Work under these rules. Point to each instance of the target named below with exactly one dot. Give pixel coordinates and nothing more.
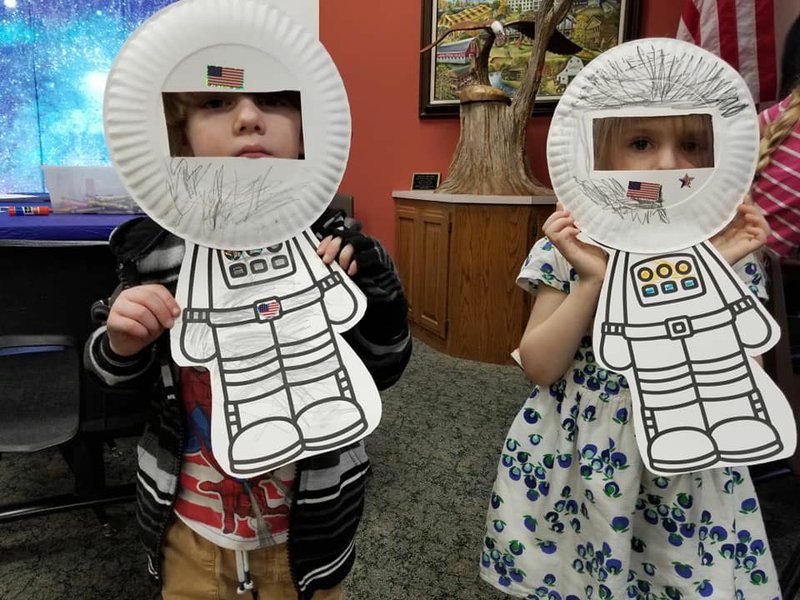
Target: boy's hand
(330, 248)
(139, 316)
(745, 234)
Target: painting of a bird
(558, 43)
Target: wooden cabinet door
(422, 252)
(433, 263)
(407, 257)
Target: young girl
(777, 186)
(287, 534)
(574, 514)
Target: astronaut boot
(330, 423)
(682, 449)
(746, 439)
(264, 445)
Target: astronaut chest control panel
(242, 268)
(666, 279)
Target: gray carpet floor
(434, 457)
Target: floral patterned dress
(574, 515)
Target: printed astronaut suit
(675, 323)
(283, 381)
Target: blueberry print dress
(574, 515)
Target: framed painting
(594, 25)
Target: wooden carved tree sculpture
(491, 156)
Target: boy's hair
(777, 131)
(176, 112)
(177, 106)
(606, 131)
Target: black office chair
(41, 388)
(46, 398)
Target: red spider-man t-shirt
(214, 504)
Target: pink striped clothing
(777, 190)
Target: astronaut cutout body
(672, 316)
(705, 325)
(264, 317)
(271, 343)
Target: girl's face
(244, 125)
(654, 143)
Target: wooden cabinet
(423, 237)
(458, 262)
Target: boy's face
(244, 125)
(657, 143)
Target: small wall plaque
(425, 181)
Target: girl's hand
(745, 234)
(588, 261)
(139, 316)
(330, 249)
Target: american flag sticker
(269, 309)
(642, 190)
(227, 77)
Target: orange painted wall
(377, 52)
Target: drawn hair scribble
(609, 195)
(654, 76)
(221, 197)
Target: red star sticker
(686, 181)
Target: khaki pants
(196, 569)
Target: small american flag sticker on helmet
(642, 190)
(227, 77)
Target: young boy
(290, 533)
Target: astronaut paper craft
(673, 316)
(286, 381)
(260, 310)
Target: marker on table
(26, 211)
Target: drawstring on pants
(243, 574)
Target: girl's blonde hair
(777, 131)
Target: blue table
(63, 228)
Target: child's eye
(274, 100)
(213, 103)
(691, 146)
(640, 144)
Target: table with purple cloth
(58, 228)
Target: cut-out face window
(653, 143)
(234, 124)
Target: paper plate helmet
(238, 46)
(654, 210)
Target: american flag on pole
(742, 33)
(227, 77)
(642, 190)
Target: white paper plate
(653, 77)
(226, 202)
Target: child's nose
(669, 158)
(248, 116)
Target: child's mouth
(253, 151)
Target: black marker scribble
(610, 195)
(682, 81)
